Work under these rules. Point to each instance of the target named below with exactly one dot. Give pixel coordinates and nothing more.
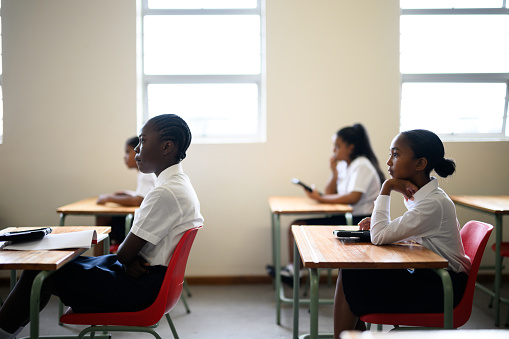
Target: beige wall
(69, 85)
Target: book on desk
(80, 239)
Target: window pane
(197, 4)
(453, 108)
(412, 4)
(202, 44)
(211, 110)
(454, 44)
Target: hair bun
(445, 167)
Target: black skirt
(398, 291)
(99, 284)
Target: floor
(246, 311)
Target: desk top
(44, 260)
(319, 248)
(498, 204)
(90, 206)
(304, 205)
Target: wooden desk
(498, 205)
(45, 261)
(319, 248)
(302, 205)
(90, 207)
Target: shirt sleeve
(159, 212)
(421, 221)
(360, 178)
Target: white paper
(81, 239)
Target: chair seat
(504, 249)
(109, 319)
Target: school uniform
(99, 284)
(360, 176)
(145, 182)
(430, 221)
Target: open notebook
(80, 239)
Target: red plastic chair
(474, 235)
(139, 321)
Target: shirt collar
(168, 172)
(423, 192)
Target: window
(454, 63)
(202, 60)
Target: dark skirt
(99, 284)
(398, 291)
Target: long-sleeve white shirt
(430, 220)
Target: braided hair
(426, 144)
(358, 136)
(174, 128)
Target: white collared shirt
(430, 220)
(167, 211)
(145, 183)
(359, 176)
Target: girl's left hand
(136, 268)
(365, 224)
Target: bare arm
(128, 255)
(121, 199)
(331, 185)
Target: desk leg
(313, 303)
(276, 237)
(296, 285)
(498, 266)
(128, 223)
(35, 301)
(62, 219)
(448, 298)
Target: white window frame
(148, 79)
(464, 77)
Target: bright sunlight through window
(454, 63)
(202, 60)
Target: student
(129, 280)
(355, 180)
(430, 220)
(145, 183)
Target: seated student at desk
(355, 180)
(129, 280)
(430, 220)
(145, 183)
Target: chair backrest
(171, 288)
(474, 235)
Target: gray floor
(247, 311)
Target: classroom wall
(69, 88)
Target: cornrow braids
(174, 128)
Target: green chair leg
(172, 327)
(186, 287)
(184, 301)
